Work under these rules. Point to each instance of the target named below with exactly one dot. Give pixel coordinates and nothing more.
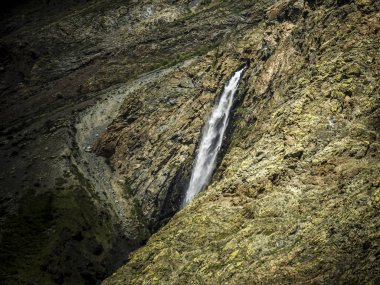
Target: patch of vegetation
(25, 236)
(54, 235)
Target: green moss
(353, 70)
(36, 236)
(25, 235)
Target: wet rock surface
(151, 144)
(102, 106)
(295, 197)
(67, 215)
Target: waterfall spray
(212, 138)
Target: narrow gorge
(189, 142)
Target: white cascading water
(212, 138)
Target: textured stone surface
(66, 68)
(295, 198)
(152, 142)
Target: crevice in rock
(176, 191)
(174, 195)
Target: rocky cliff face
(102, 108)
(66, 68)
(295, 198)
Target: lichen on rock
(294, 199)
(103, 104)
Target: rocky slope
(102, 106)
(295, 199)
(66, 67)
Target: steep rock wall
(296, 196)
(65, 69)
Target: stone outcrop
(295, 198)
(102, 108)
(66, 67)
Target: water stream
(211, 140)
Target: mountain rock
(102, 109)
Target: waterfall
(212, 138)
